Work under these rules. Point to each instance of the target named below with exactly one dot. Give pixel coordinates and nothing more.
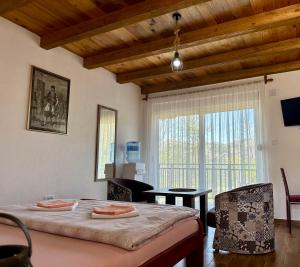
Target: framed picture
(48, 102)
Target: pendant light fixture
(176, 63)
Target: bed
(182, 239)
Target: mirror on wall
(106, 143)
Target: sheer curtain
(206, 139)
(106, 140)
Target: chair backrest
(118, 192)
(135, 186)
(233, 216)
(286, 187)
(247, 187)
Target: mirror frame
(99, 107)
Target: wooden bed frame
(190, 248)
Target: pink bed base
(52, 250)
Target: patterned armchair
(245, 220)
(121, 189)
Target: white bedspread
(127, 233)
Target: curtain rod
(265, 80)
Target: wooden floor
(287, 252)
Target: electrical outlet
(49, 197)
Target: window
(206, 140)
(179, 152)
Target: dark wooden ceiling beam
(241, 55)
(10, 5)
(279, 17)
(115, 20)
(223, 77)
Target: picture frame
(48, 109)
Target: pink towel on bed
(54, 204)
(114, 209)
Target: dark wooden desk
(187, 197)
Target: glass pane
(230, 149)
(217, 150)
(179, 152)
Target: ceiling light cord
(177, 39)
(176, 62)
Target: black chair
(211, 218)
(290, 199)
(121, 189)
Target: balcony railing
(219, 177)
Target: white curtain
(106, 140)
(208, 139)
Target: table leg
(203, 212)
(188, 201)
(151, 198)
(170, 200)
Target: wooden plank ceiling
(221, 40)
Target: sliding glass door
(216, 150)
(211, 140)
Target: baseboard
(283, 221)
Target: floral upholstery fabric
(122, 189)
(118, 192)
(245, 220)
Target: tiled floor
(287, 252)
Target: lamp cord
(177, 38)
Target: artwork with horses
(49, 102)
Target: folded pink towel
(114, 209)
(55, 203)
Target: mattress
(51, 250)
(126, 233)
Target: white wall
(284, 142)
(34, 164)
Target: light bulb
(176, 63)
